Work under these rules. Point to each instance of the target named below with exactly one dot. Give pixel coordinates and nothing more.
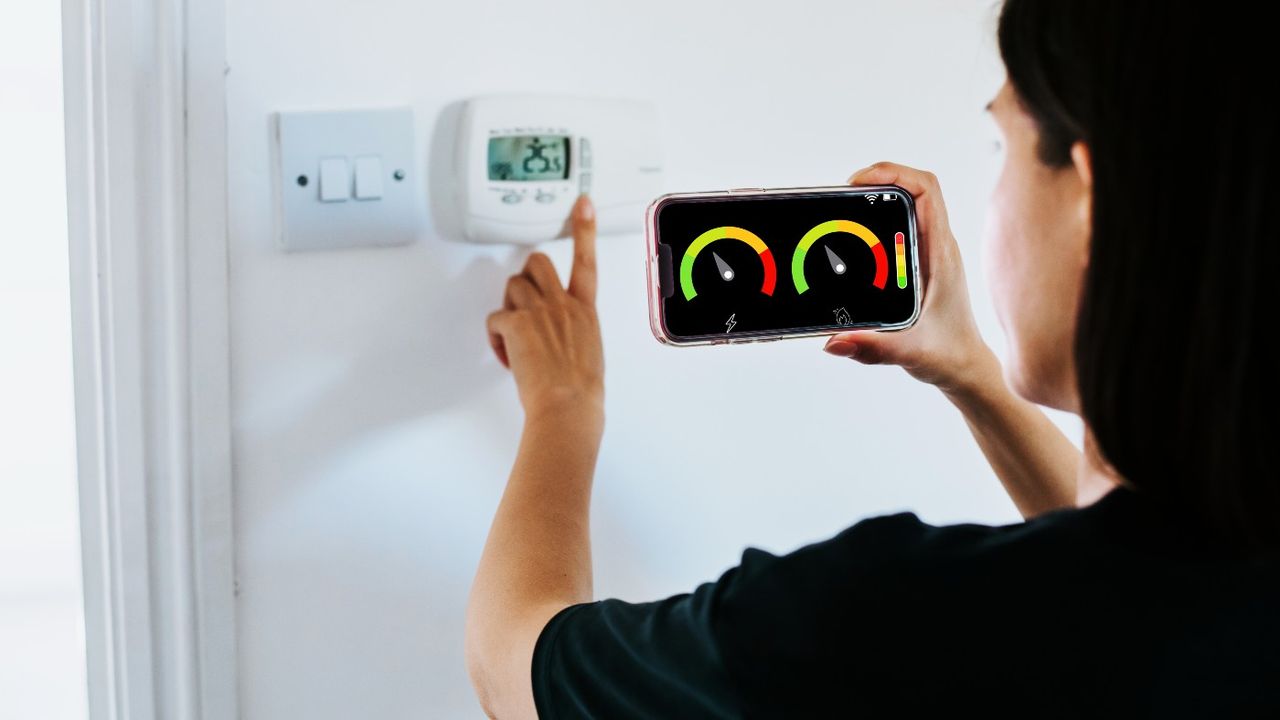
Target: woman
(1128, 245)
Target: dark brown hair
(1177, 379)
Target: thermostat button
(545, 197)
(512, 198)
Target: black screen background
(781, 221)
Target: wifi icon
(871, 198)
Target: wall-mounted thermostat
(522, 161)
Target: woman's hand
(943, 347)
(1035, 462)
(549, 337)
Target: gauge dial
(720, 233)
(834, 226)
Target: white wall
(373, 427)
(42, 656)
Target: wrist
(568, 410)
(975, 377)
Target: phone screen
(763, 264)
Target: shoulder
(894, 546)
(780, 633)
(873, 562)
(866, 602)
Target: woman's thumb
(866, 347)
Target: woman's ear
(1082, 162)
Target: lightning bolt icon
(730, 322)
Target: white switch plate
(302, 140)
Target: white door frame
(146, 195)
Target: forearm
(537, 559)
(1034, 460)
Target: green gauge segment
(834, 226)
(727, 231)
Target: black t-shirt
(1117, 608)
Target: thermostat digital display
(529, 157)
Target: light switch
(369, 177)
(346, 179)
(335, 180)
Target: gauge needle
(836, 263)
(726, 272)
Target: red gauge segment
(770, 272)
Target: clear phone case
(656, 321)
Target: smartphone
(758, 264)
